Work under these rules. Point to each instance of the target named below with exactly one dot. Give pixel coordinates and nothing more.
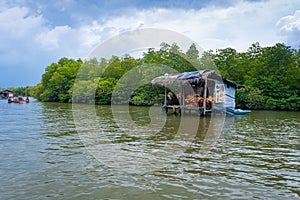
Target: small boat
(237, 111)
(19, 100)
(241, 112)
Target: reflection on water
(109, 154)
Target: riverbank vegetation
(270, 76)
(20, 91)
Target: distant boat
(19, 100)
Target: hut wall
(229, 97)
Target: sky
(36, 33)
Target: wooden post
(166, 76)
(205, 93)
(182, 94)
(183, 100)
(165, 103)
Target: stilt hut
(203, 91)
(4, 94)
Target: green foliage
(250, 98)
(171, 55)
(22, 91)
(253, 99)
(147, 95)
(104, 90)
(84, 91)
(36, 90)
(271, 76)
(193, 52)
(57, 82)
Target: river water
(60, 151)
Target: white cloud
(90, 34)
(28, 38)
(15, 23)
(23, 34)
(17, 30)
(52, 38)
(237, 26)
(289, 28)
(290, 23)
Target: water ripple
(43, 156)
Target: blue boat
(237, 111)
(241, 112)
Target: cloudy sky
(36, 33)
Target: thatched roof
(185, 77)
(190, 77)
(167, 79)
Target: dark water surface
(44, 154)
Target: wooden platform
(179, 109)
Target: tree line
(270, 76)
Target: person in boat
(172, 99)
(10, 99)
